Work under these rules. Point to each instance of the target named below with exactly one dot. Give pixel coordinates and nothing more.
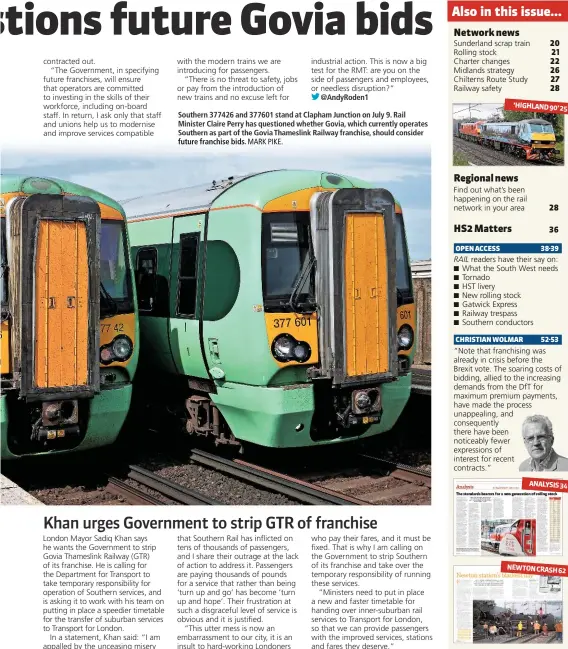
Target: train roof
(535, 121)
(541, 122)
(177, 200)
(202, 197)
(20, 184)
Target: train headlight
(362, 401)
(122, 348)
(286, 348)
(302, 351)
(405, 337)
(106, 355)
(283, 347)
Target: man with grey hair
(538, 439)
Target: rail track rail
(533, 639)
(376, 481)
(401, 471)
(171, 490)
(168, 488)
(132, 495)
(294, 488)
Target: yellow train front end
(69, 326)
(339, 310)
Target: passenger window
(146, 269)
(187, 278)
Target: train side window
(187, 276)
(146, 270)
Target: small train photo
(265, 314)
(527, 622)
(509, 537)
(489, 135)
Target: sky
(407, 178)
(476, 111)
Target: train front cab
(69, 328)
(539, 135)
(340, 320)
(519, 539)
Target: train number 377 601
(283, 323)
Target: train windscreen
(116, 291)
(286, 259)
(541, 128)
(403, 280)
(3, 268)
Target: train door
(527, 530)
(354, 234)
(185, 295)
(53, 244)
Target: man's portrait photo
(539, 440)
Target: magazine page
(508, 102)
(506, 519)
(225, 271)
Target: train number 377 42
(118, 327)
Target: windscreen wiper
(110, 301)
(293, 302)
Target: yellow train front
(69, 324)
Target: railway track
(401, 471)
(178, 474)
(484, 155)
(294, 488)
(534, 639)
(174, 492)
(377, 481)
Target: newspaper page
(491, 606)
(232, 235)
(501, 517)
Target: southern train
(275, 309)
(69, 334)
(530, 139)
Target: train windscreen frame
(403, 276)
(286, 252)
(116, 284)
(3, 269)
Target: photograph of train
(254, 321)
(511, 537)
(532, 622)
(487, 134)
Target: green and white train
(275, 308)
